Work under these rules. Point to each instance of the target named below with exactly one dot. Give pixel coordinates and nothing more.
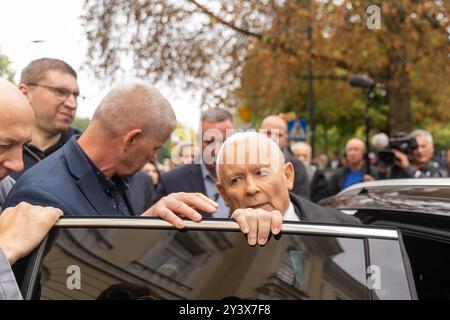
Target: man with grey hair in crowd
(200, 176)
(318, 184)
(422, 164)
(255, 181)
(88, 176)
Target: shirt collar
(65, 136)
(290, 214)
(205, 172)
(106, 183)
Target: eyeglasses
(60, 92)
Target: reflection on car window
(167, 264)
(385, 255)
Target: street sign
(297, 130)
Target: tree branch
(224, 22)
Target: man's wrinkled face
(54, 112)
(424, 152)
(264, 183)
(15, 131)
(354, 152)
(303, 154)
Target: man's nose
(251, 186)
(71, 102)
(15, 161)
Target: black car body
(420, 209)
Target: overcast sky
(25, 23)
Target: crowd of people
(48, 169)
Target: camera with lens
(402, 142)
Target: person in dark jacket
(254, 180)
(276, 128)
(51, 88)
(318, 184)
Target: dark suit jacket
(319, 187)
(311, 212)
(301, 181)
(64, 180)
(187, 178)
(32, 155)
(141, 192)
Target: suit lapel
(196, 179)
(198, 184)
(298, 208)
(88, 183)
(128, 203)
(92, 190)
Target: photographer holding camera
(410, 156)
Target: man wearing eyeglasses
(50, 85)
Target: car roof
(426, 196)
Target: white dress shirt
(290, 214)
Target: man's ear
(222, 192)
(24, 89)
(129, 139)
(288, 170)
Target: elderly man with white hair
(88, 176)
(255, 182)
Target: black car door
(147, 259)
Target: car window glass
(387, 271)
(91, 263)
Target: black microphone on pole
(361, 81)
(368, 84)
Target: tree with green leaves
(5, 68)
